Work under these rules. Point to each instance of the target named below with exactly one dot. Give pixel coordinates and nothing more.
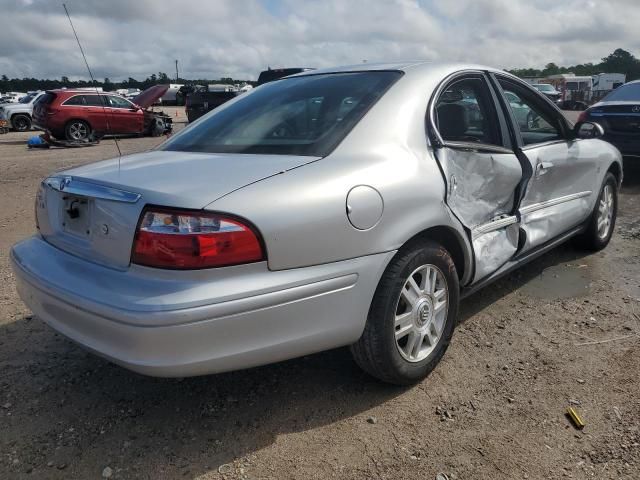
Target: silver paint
(314, 290)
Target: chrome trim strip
(88, 189)
(550, 203)
(493, 225)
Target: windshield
(544, 88)
(626, 93)
(306, 115)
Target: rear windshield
(625, 93)
(306, 115)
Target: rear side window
(306, 115)
(76, 100)
(465, 112)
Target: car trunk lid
(93, 211)
(618, 117)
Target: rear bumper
(167, 323)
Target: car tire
(21, 122)
(602, 221)
(157, 127)
(77, 131)
(392, 347)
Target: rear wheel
(77, 130)
(21, 122)
(603, 218)
(412, 316)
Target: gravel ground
(561, 331)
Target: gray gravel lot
(561, 331)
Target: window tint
(306, 115)
(465, 112)
(537, 122)
(76, 100)
(626, 93)
(96, 100)
(118, 102)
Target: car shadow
(72, 411)
(475, 303)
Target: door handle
(543, 167)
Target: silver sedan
(350, 206)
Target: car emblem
(635, 109)
(64, 183)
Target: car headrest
(452, 120)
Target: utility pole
(176, 71)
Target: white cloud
(239, 38)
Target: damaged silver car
(349, 206)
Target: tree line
(29, 84)
(620, 61)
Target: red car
(77, 115)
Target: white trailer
(608, 81)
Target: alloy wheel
(421, 313)
(605, 211)
(78, 131)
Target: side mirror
(588, 130)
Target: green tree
(621, 61)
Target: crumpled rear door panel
(481, 193)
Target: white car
(19, 114)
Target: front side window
(307, 115)
(537, 124)
(465, 112)
(118, 102)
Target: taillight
(168, 238)
(583, 116)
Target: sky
(239, 38)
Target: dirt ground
(561, 331)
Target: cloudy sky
(238, 38)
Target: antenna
(104, 110)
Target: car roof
(87, 92)
(409, 67)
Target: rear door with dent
(481, 170)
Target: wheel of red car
(77, 130)
(157, 127)
(20, 122)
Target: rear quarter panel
(302, 214)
